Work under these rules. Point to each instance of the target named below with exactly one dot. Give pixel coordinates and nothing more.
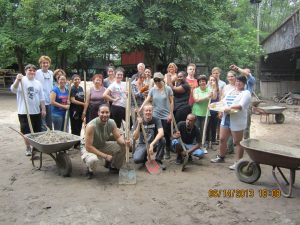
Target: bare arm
(118, 137)
(54, 103)
(136, 132)
(107, 96)
(145, 102)
(198, 99)
(160, 134)
(76, 102)
(89, 138)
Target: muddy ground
(28, 196)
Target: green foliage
(74, 32)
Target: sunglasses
(157, 79)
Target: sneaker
(218, 159)
(28, 151)
(167, 155)
(162, 166)
(179, 160)
(89, 174)
(233, 166)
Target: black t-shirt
(188, 136)
(181, 100)
(79, 96)
(151, 129)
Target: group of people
(177, 98)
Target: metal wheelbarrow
(57, 151)
(277, 156)
(271, 110)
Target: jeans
(58, 122)
(47, 120)
(140, 154)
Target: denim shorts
(226, 123)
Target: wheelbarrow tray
(272, 109)
(277, 156)
(53, 147)
(264, 152)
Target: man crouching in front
(97, 146)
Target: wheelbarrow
(271, 110)
(57, 151)
(277, 156)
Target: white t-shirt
(33, 93)
(117, 90)
(238, 121)
(46, 80)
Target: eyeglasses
(157, 79)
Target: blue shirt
(62, 98)
(250, 83)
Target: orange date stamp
(244, 193)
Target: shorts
(226, 122)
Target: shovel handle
(27, 108)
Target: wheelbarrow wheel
(290, 101)
(279, 118)
(276, 99)
(248, 174)
(64, 164)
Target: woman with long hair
(94, 98)
(110, 70)
(116, 93)
(60, 103)
(77, 105)
(211, 132)
(171, 74)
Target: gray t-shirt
(161, 102)
(102, 131)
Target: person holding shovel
(59, 99)
(97, 144)
(29, 93)
(155, 137)
(190, 135)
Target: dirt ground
(29, 196)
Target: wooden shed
(280, 69)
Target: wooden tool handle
(27, 108)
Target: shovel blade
(185, 162)
(127, 176)
(152, 167)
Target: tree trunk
(19, 52)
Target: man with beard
(154, 135)
(97, 144)
(190, 136)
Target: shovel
(204, 130)
(151, 165)
(67, 112)
(127, 173)
(185, 159)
